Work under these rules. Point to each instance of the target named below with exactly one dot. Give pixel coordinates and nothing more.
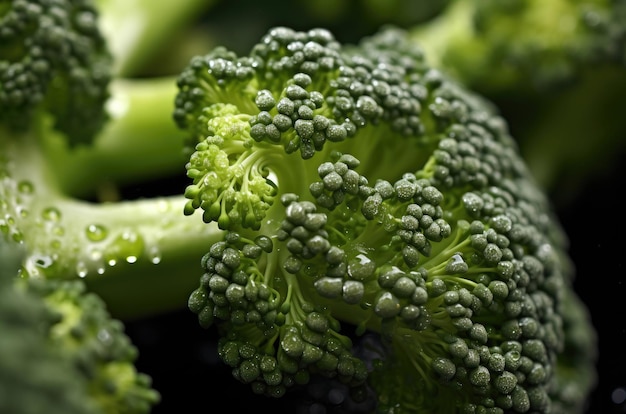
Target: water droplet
(25, 187)
(21, 211)
(95, 255)
(104, 336)
(618, 396)
(128, 246)
(155, 255)
(96, 232)
(17, 236)
(51, 214)
(58, 230)
(81, 269)
(42, 261)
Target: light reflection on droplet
(96, 232)
(618, 396)
(104, 336)
(95, 255)
(154, 255)
(25, 187)
(51, 214)
(81, 269)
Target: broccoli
(554, 70)
(64, 116)
(523, 45)
(358, 185)
(62, 351)
(57, 183)
(340, 212)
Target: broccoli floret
(22, 318)
(62, 352)
(523, 45)
(555, 71)
(97, 345)
(357, 186)
(52, 56)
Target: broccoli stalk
(137, 31)
(106, 243)
(140, 143)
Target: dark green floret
(419, 221)
(53, 59)
(524, 45)
(78, 358)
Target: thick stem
(137, 30)
(142, 256)
(140, 142)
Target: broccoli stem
(140, 139)
(114, 246)
(137, 30)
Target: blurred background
(578, 156)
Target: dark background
(181, 357)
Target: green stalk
(138, 30)
(142, 256)
(140, 142)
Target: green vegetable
(523, 45)
(311, 194)
(62, 352)
(556, 71)
(359, 185)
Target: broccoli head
(76, 357)
(524, 45)
(53, 59)
(360, 190)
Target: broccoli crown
(494, 45)
(587, 31)
(358, 188)
(77, 358)
(53, 58)
(23, 346)
(97, 344)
